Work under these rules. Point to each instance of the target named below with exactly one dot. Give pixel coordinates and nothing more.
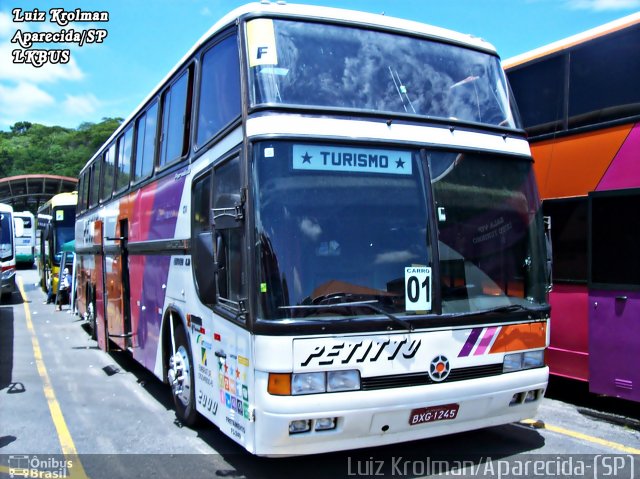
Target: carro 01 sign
(417, 282)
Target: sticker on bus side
(261, 41)
(357, 160)
(417, 284)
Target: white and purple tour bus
(322, 229)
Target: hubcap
(89, 314)
(180, 375)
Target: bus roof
(572, 41)
(299, 11)
(6, 208)
(61, 199)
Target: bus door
(116, 272)
(232, 342)
(101, 320)
(614, 294)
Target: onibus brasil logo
(39, 467)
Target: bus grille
(421, 379)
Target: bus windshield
(330, 66)
(26, 220)
(6, 236)
(341, 224)
(64, 217)
(489, 223)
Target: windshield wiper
(513, 308)
(370, 304)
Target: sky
(146, 38)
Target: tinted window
(174, 122)
(568, 238)
(202, 237)
(337, 66)
(229, 242)
(108, 172)
(94, 186)
(539, 92)
(604, 79)
(489, 231)
(82, 189)
(219, 101)
(123, 171)
(325, 234)
(146, 142)
(615, 229)
(6, 236)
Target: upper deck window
(219, 102)
(146, 142)
(339, 67)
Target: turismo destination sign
(360, 160)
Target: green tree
(31, 148)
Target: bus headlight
(8, 272)
(308, 383)
(520, 361)
(533, 359)
(296, 384)
(343, 380)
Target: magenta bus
(580, 103)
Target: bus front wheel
(181, 379)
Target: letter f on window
(262, 51)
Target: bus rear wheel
(181, 379)
(90, 317)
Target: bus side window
(229, 233)
(81, 186)
(175, 120)
(146, 127)
(94, 185)
(123, 166)
(202, 240)
(220, 102)
(108, 172)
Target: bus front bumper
(380, 417)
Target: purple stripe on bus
(624, 169)
(153, 294)
(166, 209)
(471, 341)
(486, 340)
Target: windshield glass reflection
(333, 230)
(489, 223)
(330, 66)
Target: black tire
(181, 378)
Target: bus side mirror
(48, 232)
(229, 211)
(18, 225)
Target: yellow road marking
(64, 436)
(579, 435)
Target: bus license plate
(433, 413)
